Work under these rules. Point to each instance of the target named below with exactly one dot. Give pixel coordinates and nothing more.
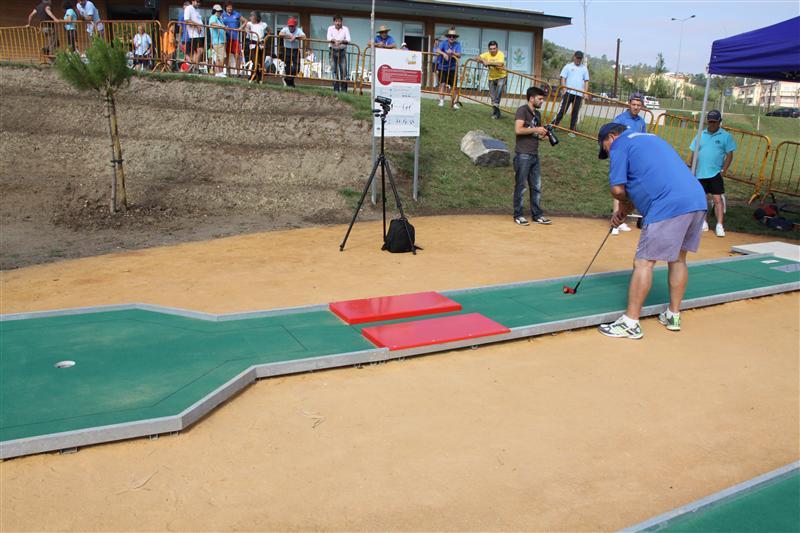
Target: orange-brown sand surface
(571, 432)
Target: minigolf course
(144, 370)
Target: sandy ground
(572, 432)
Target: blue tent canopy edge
(771, 53)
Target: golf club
(572, 290)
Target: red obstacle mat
(433, 331)
(392, 307)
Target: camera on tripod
(385, 103)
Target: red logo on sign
(387, 75)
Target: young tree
(104, 71)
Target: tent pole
(701, 123)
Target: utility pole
(616, 71)
(680, 45)
(585, 4)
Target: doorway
(416, 43)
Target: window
(520, 51)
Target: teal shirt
(713, 149)
(217, 36)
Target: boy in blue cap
(647, 174)
(713, 159)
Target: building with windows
(519, 33)
(769, 93)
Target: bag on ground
(397, 237)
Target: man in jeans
(527, 171)
(339, 38)
(575, 77)
(496, 62)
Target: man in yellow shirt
(496, 61)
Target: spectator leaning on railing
(496, 62)
(338, 39)
(44, 13)
(89, 12)
(292, 38)
(383, 39)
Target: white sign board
(398, 76)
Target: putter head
(568, 290)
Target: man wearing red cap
(292, 42)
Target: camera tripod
(386, 170)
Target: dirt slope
(202, 160)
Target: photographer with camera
(527, 170)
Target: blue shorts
(666, 239)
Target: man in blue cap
(713, 159)
(647, 174)
(630, 118)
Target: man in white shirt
(292, 42)
(89, 12)
(194, 29)
(142, 47)
(575, 77)
(339, 38)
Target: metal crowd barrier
(64, 35)
(313, 60)
(749, 160)
(430, 77)
(785, 175)
(22, 44)
(215, 59)
(474, 85)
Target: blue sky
(645, 27)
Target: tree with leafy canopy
(105, 71)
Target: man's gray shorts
(664, 240)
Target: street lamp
(680, 45)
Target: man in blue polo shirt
(713, 159)
(647, 174)
(630, 118)
(233, 20)
(575, 76)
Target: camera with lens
(385, 102)
(551, 136)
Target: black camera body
(551, 136)
(384, 101)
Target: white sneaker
(441, 103)
(705, 225)
(720, 231)
(615, 231)
(623, 227)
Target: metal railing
(784, 177)
(22, 44)
(473, 85)
(312, 60)
(749, 160)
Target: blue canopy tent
(771, 53)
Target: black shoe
(541, 219)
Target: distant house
(769, 93)
(674, 80)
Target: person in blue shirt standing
(646, 173)
(713, 160)
(447, 56)
(575, 77)
(233, 20)
(630, 118)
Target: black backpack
(397, 238)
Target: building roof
(457, 12)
